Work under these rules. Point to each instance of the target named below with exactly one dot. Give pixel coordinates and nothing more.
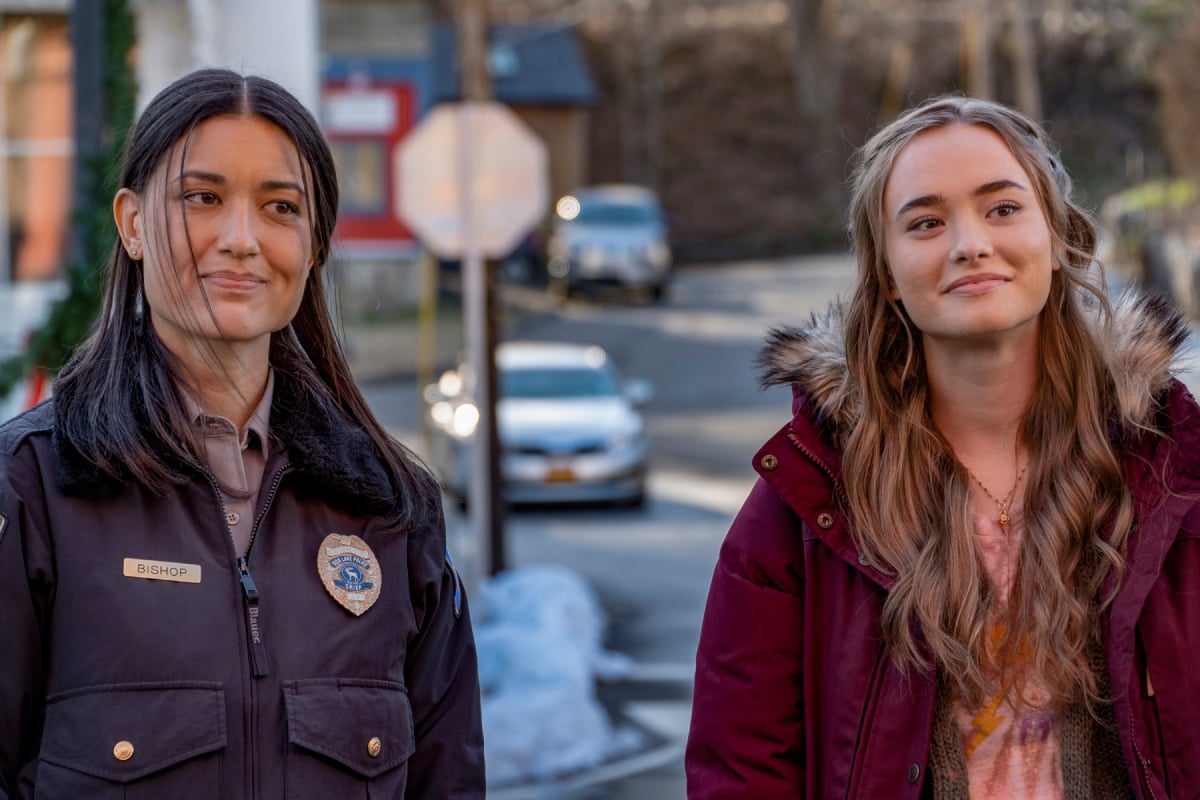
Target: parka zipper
(821, 465)
(250, 596)
(864, 722)
(1143, 762)
(258, 651)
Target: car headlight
(442, 413)
(621, 441)
(465, 420)
(658, 253)
(450, 384)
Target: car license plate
(560, 475)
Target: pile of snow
(540, 654)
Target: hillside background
(742, 112)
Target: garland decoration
(70, 318)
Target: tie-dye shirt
(1009, 754)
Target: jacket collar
(328, 454)
(1145, 338)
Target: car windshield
(556, 383)
(615, 214)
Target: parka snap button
(914, 772)
(825, 520)
(374, 747)
(123, 750)
(769, 462)
(862, 559)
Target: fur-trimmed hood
(1143, 342)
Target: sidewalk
(390, 350)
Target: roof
(530, 65)
(627, 193)
(519, 354)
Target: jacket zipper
(250, 596)
(258, 650)
(864, 724)
(821, 465)
(1143, 762)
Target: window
(37, 145)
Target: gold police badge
(350, 572)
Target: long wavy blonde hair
(907, 493)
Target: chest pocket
(133, 741)
(347, 738)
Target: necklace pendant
(1003, 520)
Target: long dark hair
(115, 401)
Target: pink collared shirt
(237, 461)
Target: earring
(135, 252)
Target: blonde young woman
(971, 564)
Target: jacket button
(914, 772)
(769, 462)
(862, 559)
(123, 750)
(825, 520)
(374, 747)
(233, 518)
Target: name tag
(162, 570)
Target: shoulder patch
(457, 584)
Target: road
(651, 566)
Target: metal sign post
(475, 298)
(472, 182)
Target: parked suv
(609, 235)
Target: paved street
(651, 566)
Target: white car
(569, 427)
(613, 234)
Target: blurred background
(695, 182)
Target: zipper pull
(258, 652)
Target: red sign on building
(365, 125)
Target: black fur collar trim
(330, 456)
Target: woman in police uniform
(219, 576)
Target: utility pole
(650, 12)
(1029, 90)
(486, 511)
(976, 48)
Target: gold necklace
(1003, 505)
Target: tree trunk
(817, 75)
(651, 35)
(627, 99)
(976, 48)
(1029, 90)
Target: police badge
(350, 572)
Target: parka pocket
(133, 741)
(347, 738)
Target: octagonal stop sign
(505, 171)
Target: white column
(278, 39)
